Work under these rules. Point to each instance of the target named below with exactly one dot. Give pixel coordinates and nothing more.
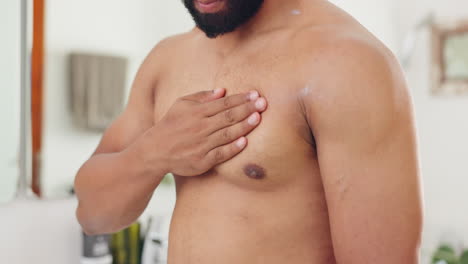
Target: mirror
(450, 58)
(456, 57)
(10, 99)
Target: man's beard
(233, 15)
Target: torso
(226, 215)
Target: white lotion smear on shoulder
(295, 12)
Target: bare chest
(278, 150)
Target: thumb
(206, 96)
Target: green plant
(464, 257)
(168, 179)
(446, 254)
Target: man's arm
(110, 186)
(361, 117)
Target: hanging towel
(97, 89)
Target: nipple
(254, 171)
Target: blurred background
(429, 36)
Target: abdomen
(216, 221)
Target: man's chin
(211, 33)
(218, 17)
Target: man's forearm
(114, 189)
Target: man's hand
(205, 129)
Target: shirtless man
(318, 165)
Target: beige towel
(97, 89)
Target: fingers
(234, 115)
(205, 96)
(232, 133)
(226, 152)
(214, 107)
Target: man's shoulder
(163, 56)
(170, 46)
(157, 62)
(335, 55)
(339, 42)
(333, 33)
(350, 71)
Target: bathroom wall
(443, 131)
(10, 99)
(376, 16)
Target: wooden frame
(441, 32)
(37, 72)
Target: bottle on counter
(96, 249)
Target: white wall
(376, 16)
(10, 99)
(443, 128)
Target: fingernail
(253, 95)
(217, 91)
(260, 104)
(253, 119)
(241, 142)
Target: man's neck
(271, 15)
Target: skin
(329, 175)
